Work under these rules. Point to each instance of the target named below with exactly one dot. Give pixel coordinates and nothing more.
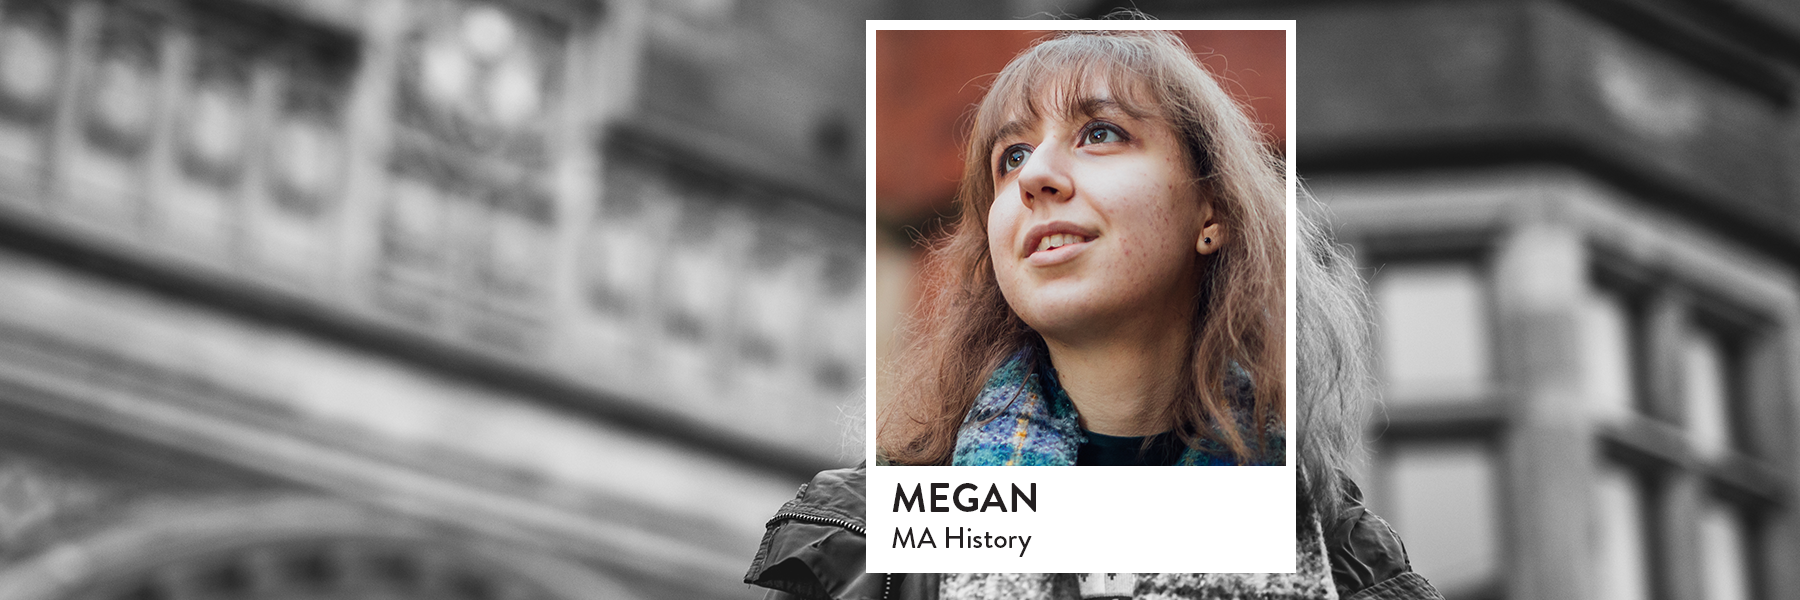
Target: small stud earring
(1207, 241)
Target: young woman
(814, 547)
(1112, 290)
(1116, 276)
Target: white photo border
(1106, 519)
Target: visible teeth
(1057, 240)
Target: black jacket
(814, 549)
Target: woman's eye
(1102, 134)
(1013, 158)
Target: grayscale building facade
(561, 298)
(482, 299)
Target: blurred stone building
(481, 299)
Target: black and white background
(507, 299)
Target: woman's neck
(1121, 385)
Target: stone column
(1540, 270)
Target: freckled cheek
(1155, 240)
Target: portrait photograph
(1081, 241)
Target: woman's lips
(1058, 255)
(1056, 242)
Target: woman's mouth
(1057, 248)
(1056, 234)
(1058, 240)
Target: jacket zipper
(812, 518)
(887, 579)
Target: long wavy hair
(962, 328)
(1334, 350)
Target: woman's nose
(1045, 176)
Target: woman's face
(1095, 221)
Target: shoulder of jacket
(814, 545)
(836, 493)
(1368, 560)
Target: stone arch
(293, 548)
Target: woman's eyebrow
(1012, 129)
(1086, 106)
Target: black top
(1103, 450)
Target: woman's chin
(1079, 317)
(1066, 326)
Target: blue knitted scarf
(1023, 417)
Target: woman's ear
(1212, 232)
